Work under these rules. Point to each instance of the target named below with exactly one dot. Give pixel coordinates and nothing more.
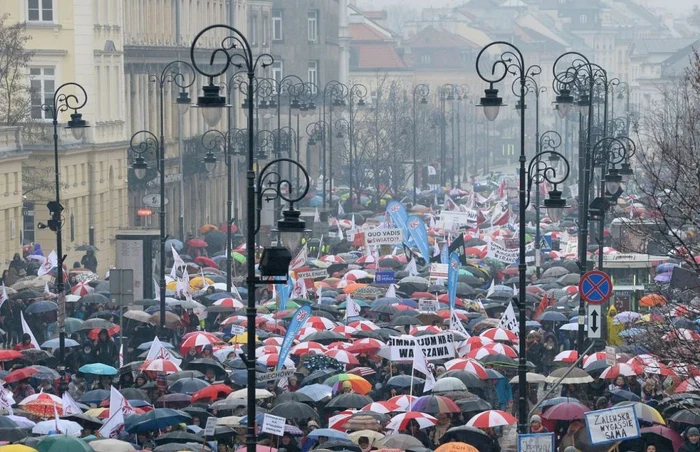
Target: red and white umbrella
(381, 407)
(473, 343)
(567, 356)
(336, 422)
(273, 341)
(229, 303)
(330, 259)
(481, 353)
(659, 369)
(362, 371)
(470, 365)
(81, 289)
(491, 418)
(338, 345)
(306, 331)
(500, 334)
(199, 339)
(366, 345)
(160, 365)
(682, 334)
(690, 385)
(41, 396)
(234, 319)
(404, 402)
(363, 325)
(428, 328)
(267, 350)
(502, 349)
(354, 275)
(612, 372)
(272, 359)
(593, 357)
(345, 330)
(320, 323)
(400, 421)
(308, 348)
(343, 356)
(366, 259)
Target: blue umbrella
(94, 397)
(39, 307)
(98, 369)
(330, 434)
(316, 391)
(175, 243)
(631, 332)
(156, 419)
(54, 343)
(532, 324)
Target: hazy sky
(673, 5)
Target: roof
(376, 15)
(431, 37)
(659, 46)
(530, 22)
(377, 56)
(677, 64)
(366, 32)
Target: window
(253, 35)
(313, 25)
(277, 71)
(425, 59)
(276, 25)
(313, 74)
(40, 10)
(583, 18)
(42, 84)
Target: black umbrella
(620, 395)
(6, 422)
(389, 263)
(188, 385)
(296, 410)
(86, 421)
(403, 381)
(470, 435)
(215, 239)
(690, 417)
(91, 324)
(198, 412)
(134, 394)
(239, 364)
(25, 295)
(473, 404)
(39, 307)
(349, 400)
(340, 445)
(205, 364)
(94, 397)
(228, 404)
(239, 377)
(325, 337)
(405, 320)
(292, 397)
(178, 437)
(318, 376)
(94, 298)
(13, 434)
(469, 379)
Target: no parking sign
(595, 287)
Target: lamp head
(584, 104)
(554, 205)
(140, 166)
(291, 228)
(613, 180)
(626, 171)
(77, 125)
(564, 101)
(209, 161)
(520, 107)
(211, 104)
(491, 103)
(294, 104)
(183, 102)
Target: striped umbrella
(272, 359)
(567, 356)
(366, 345)
(381, 407)
(468, 364)
(404, 402)
(160, 365)
(502, 349)
(612, 372)
(231, 303)
(343, 356)
(491, 418)
(473, 343)
(308, 348)
(593, 357)
(345, 330)
(400, 421)
(320, 323)
(363, 325)
(499, 334)
(82, 289)
(268, 350)
(362, 371)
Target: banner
(454, 220)
(298, 321)
(452, 278)
(434, 347)
(158, 351)
(612, 425)
(501, 253)
(300, 259)
(457, 246)
(284, 290)
(397, 213)
(508, 320)
(421, 365)
(27, 330)
(384, 236)
(419, 234)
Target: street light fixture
(63, 102)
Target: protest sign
(274, 425)
(536, 442)
(453, 220)
(428, 305)
(237, 330)
(434, 347)
(210, 427)
(313, 274)
(613, 424)
(501, 253)
(438, 271)
(275, 375)
(387, 236)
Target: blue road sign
(385, 277)
(595, 287)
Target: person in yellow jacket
(613, 329)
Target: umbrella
(404, 381)
(316, 392)
(329, 433)
(690, 417)
(400, 421)
(204, 364)
(491, 418)
(156, 419)
(568, 411)
(473, 404)
(62, 443)
(213, 392)
(39, 307)
(449, 384)
(94, 397)
(294, 410)
(188, 385)
(349, 400)
(293, 397)
(19, 374)
(98, 369)
(469, 379)
(470, 435)
(432, 404)
(111, 445)
(575, 376)
(398, 441)
(177, 437)
(456, 447)
(14, 434)
(62, 425)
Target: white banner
(434, 347)
(501, 253)
(453, 220)
(387, 236)
(508, 320)
(313, 274)
(612, 425)
(274, 425)
(428, 305)
(438, 271)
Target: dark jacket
(689, 447)
(105, 352)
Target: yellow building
(78, 41)
(12, 156)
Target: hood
(612, 312)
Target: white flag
(340, 232)
(118, 408)
(69, 406)
(156, 289)
(56, 420)
(299, 290)
(352, 223)
(421, 365)
(6, 400)
(121, 355)
(26, 329)
(391, 291)
(456, 325)
(341, 211)
(492, 288)
(177, 260)
(436, 249)
(185, 282)
(300, 259)
(157, 351)
(318, 297)
(508, 320)
(515, 291)
(49, 264)
(352, 309)
(173, 273)
(317, 216)
(412, 267)
(3, 295)
(234, 291)
(47, 292)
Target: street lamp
(63, 102)
(447, 92)
(420, 91)
(512, 61)
(235, 48)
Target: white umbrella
(243, 393)
(449, 384)
(111, 445)
(532, 377)
(61, 426)
(22, 421)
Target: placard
(536, 442)
(453, 220)
(501, 253)
(428, 305)
(438, 271)
(610, 356)
(385, 277)
(237, 330)
(612, 425)
(275, 375)
(313, 274)
(386, 236)
(435, 347)
(274, 425)
(210, 428)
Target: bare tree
(15, 105)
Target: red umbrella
(19, 374)
(210, 393)
(197, 243)
(366, 345)
(567, 411)
(205, 262)
(96, 332)
(234, 228)
(8, 355)
(491, 418)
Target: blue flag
(452, 278)
(416, 227)
(298, 321)
(397, 213)
(284, 290)
(444, 254)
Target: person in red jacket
(25, 344)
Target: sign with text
(428, 305)
(501, 253)
(435, 347)
(284, 373)
(610, 356)
(385, 277)
(210, 428)
(313, 274)
(274, 425)
(612, 425)
(237, 330)
(536, 442)
(438, 271)
(453, 220)
(388, 236)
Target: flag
(452, 279)
(156, 288)
(412, 267)
(444, 254)
(492, 288)
(284, 290)
(205, 284)
(436, 249)
(541, 307)
(299, 319)
(300, 259)
(391, 291)
(234, 291)
(399, 216)
(352, 309)
(47, 292)
(515, 291)
(421, 365)
(450, 204)
(456, 324)
(49, 264)
(341, 211)
(419, 234)
(56, 420)
(121, 355)
(508, 320)
(27, 330)
(3, 295)
(299, 290)
(69, 406)
(317, 216)
(500, 213)
(177, 260)
(118, 408)
(340, 232)
(185, 282)
(352, 223)
(457, 246)
(157, 351)
(173, 273)
(6, 400)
